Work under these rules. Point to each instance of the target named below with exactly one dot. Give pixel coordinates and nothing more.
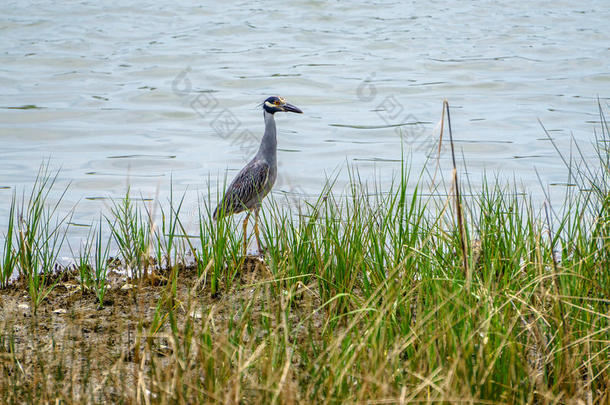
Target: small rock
(128, 286)
(23, 306)
(60, 311)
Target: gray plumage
(256, 179)
(248, 189)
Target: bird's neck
(268, 148)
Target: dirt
(70, 326)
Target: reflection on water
(144, 94)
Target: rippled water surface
(138, 93)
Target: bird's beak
(291, 108)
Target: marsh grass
(366, 295)
(132, 228)
(39, 235)
(92, 261)
(8, 258)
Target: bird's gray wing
(247, 186)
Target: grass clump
(8, 259)
(37, 235)
(363, 296)
(92, 262)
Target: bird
(255, 180)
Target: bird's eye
(277, 102)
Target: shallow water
(120, 93)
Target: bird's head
(278, 104)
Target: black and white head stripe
(275, 104)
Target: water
(118, 93)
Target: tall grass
(37, 234)
(8, 259)
(369, 295)
(131, 228)
(92, 261)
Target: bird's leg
(246, 233)
(258, 239)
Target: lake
(145, 95)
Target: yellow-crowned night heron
(255, 180)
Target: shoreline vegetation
(393, 297)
